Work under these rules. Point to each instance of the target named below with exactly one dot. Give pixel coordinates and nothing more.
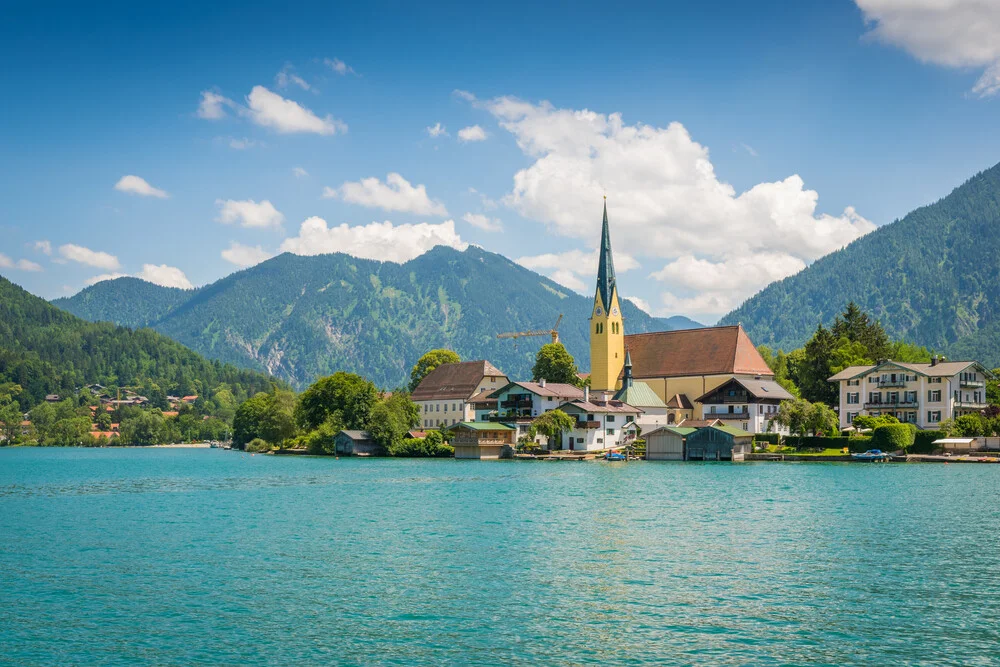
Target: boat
(872, 455)
(615, 456)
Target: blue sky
(750, 138)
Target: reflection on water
(210, 557)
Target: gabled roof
(356, 435)
(640, 395)
(680, 402)
(699, 423)
(754, 387)
(554, 389)
(603, 406)
(685, 352)
(731, 430)
(454, 381)
(679, 430)
(940, 369)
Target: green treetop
(554, 363)
(428, 362)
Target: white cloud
(464, 95)
(166, 276)
(396, 194)
(43, 247)
(241, 144)
(105, 276)
(338, 66)
(287, 76)
(95, 258)
(19, 265)
(244, 255)
(482, 222)
(665, 201)
(300, 172)
(213, 106)
(952, 33)
(575, 269)
(471, 133)
(269, 109)
(378, 240)
(437, 130)
(749, 149)
(138, 186)
(641, 304)
(249, 213)
(488, 203)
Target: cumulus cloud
(95, 258)
(138, 186)
(952, 33)
(641, 304)
(213, 106)
(300, 172)
(244, 255)
(471, 133)
(437, 130)
(249, 213)
(167, 276)
(482, 222)
(43, 247)
(396, 194)
(338, 66)
(268, 109)
(18, 265)
(105, 276)
(378, 240)
(665, 201)
(575, 269)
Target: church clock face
(614, 311)
(599, 311)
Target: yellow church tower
(607, 339)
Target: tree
(266, 416)
(779, 363)
(391, 418)
(856, 326)
(971, 426)
(802, 417)
(429, 362)
(554, 363)
(822, 419)
(551, 424)
(346, 398)
(868, 422)
(812, 368)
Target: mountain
(299, 317)
(932, 278)
(49, 351)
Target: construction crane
(554, 332)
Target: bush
(769, 438)
(893, 437)
(420, 447)
(258, 445)
(923, 442)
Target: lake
(179, 557)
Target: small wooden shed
(717, 443)
(666, 443)
(356, 443)
(480, 440)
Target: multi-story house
(747, 404)
(921, 394)
(447, 394)
(518, 403)
(602, 422)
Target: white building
(447, 394)
(921, 394)
(747, 404)
(601, 423)
(518, 403)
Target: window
(745, 426)
(854, 383)
(600, 441)
(610, 419)
(760, 409)
(933, 416)
(934, 396)
(853, 398)
(438, 408)
(590, 418)
(610, 431)
(851, 416)
(599, 328)
(549, 398)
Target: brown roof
(756, 388)
(451, 381)
(603, 406)
(554, 389)
(940, 369)
(707, 351)
(699, 423)
(680, 402)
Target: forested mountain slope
(932, 278)
(301, 317)
(49, 351)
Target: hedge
(893, 437)
(924, 442)
(769, 438)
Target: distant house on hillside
(446, 395)
(52, 398)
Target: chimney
(586, 394)
(934, 360)
(541, 382)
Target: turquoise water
(208, 557)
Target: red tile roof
(686, 352)
(680, 402)
(454, 381)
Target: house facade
(447, 395)
(602, 422)
(518, 403)
(667, 443)
(749, 404)
(481, 440)
(921, 394)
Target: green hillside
(932, 278)
(300, 317)
(48, 351)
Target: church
(676, 369)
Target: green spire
(606, 268)
(627, 381)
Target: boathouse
(717, 443)
(356, 443)
(481, 440)
(667, 443)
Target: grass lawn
(778, 449)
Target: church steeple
(627, 378)
(606, 267)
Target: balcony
(516, 403)
(971, 384)
(727, 415)
(891, 405)
(586, 424)
(971, 405)
(892, 383)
